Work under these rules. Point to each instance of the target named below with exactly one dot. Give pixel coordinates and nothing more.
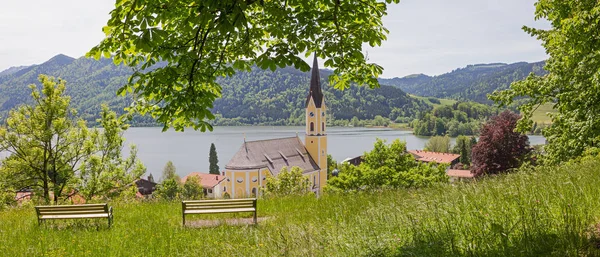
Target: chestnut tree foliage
(573, 80)
(500, 148)
(198, 41)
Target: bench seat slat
(219, 211)
(220, 207)
(72, 206)
(70, 212)
(74, 216)
(220, 201)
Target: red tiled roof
(206, 180)
(460, 173)
(426, 156)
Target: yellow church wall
(239, 183)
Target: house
(460, 175)
(354, 161)
(426, 156)
(211, 183)
(145, 187)
(246, 172)
(23, 195)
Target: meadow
(540, 115)
(443, 101)
(546, 211)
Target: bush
(287, 183)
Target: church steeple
(315, 140)
(315, 86)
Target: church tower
(316, 135)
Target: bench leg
(255, 219)
(183, 219)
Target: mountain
(471, 83)
(12, 70)
(256, 97)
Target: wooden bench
(83, 211)
(218, 206)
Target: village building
(145, 187)
(460, 175)
(212, 184)
(354, 161)
(246, 172)
(426, 156)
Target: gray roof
(273, 154)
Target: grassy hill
(427, 100)
(541, 114)
(551, 211)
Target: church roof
(315, 85)
(273, 154)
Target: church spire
(315, 85)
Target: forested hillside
(265, 97)
(256, 97)
(471, 83)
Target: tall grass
(545, 212)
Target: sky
(426, 36)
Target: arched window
(323, 126)
(254, 191)
(312, 126)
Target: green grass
(540, 115)
(442, 100)
(547, 212)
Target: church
(247, 171)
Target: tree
(286, 183)
(179, 48)
(387, 166)
(331, 165)
(192, 189)
(213, 160)
(169, 189)
(169, 172)
(463, 147)
(53, 151)
(500, 147)
(107, 172)
(571, 84)
(440, 144)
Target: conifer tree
(213, 160)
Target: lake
(189, 150)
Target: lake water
(189, 150)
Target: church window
(254, 191)
(224, 189)
(323, 126)
(312, 126)
(323, 114)
(240, 180)
(312, 114)
(254, 179)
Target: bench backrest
(219, 204)
(72, 209)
